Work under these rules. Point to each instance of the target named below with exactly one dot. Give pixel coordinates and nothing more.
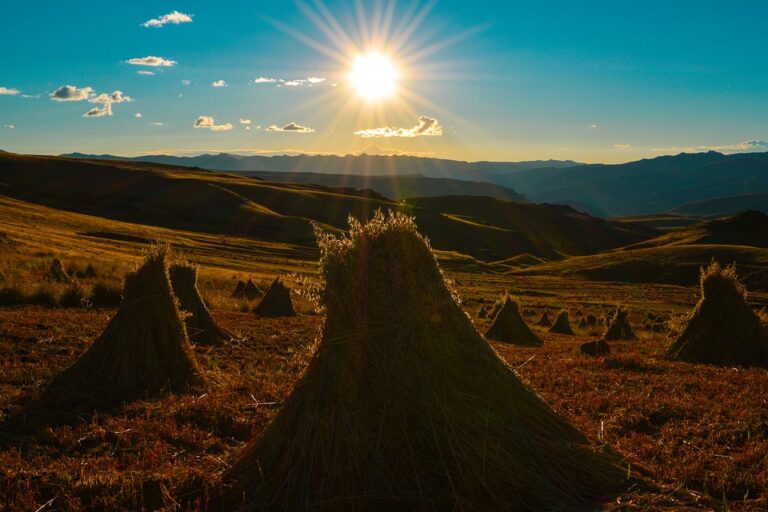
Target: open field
(700, 432)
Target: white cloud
(104, 110)
(145, 72)
(290, 128)
(138, 115)
(5, 91)
(207, 122)
(115, 97)
(622, 146)
(219, 83)
(427, 127)
(185, 82)
(174, 18)
(297, 82)
(248, 128)
(10, 126)
(593, 125)
(152, 61)
(747, 145)
(71, 93)
(245, 121)
(156, 124)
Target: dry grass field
(699, 432)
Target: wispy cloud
(5, 91)
(138, 115)
(245, 121)
(173, 17)
(427, 127)
(622, 146)
(747, 145)
(219, 83)
(156, 124)
(71, 93)
(152, 61)
(185, 82)
(208, 123)
(296, 82)
(145, 72)
(290, 128)
(9, 126)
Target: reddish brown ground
(695, 428)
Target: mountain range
(699, 184)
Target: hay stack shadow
(201, 327)
(722, 329)
(619, 327)
(562, 324)
(276, 301)
(509, 326)
(405, 406)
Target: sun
(373, 76)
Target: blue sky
(590, 81)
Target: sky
(591, 81)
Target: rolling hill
(675, 258)
(394, 186)
(721, 206)
(232, 204)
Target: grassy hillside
(553, 230)
(395, 186)
(235, 205)
(720, 206)
(749, 228)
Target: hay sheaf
(619, 327)
(509, 326)
(201, 327)
(562, 324)
(722, 329)
(544, 320)
(276, 301)
(144, 349)
(404, 406)
(56, 272)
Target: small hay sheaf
(56, 272)
(722, 329)
(544, 320)
(201, 327)
(143, 350)
(404, 405)
(509, 326)
(619, 327)
(562, 324)
(276, 301)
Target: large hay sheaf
(404, 406)
(276, 301)
(510, 327)
(562, 324)
(144, 348)
(201, 327)
(619, 327)
(722, 329)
